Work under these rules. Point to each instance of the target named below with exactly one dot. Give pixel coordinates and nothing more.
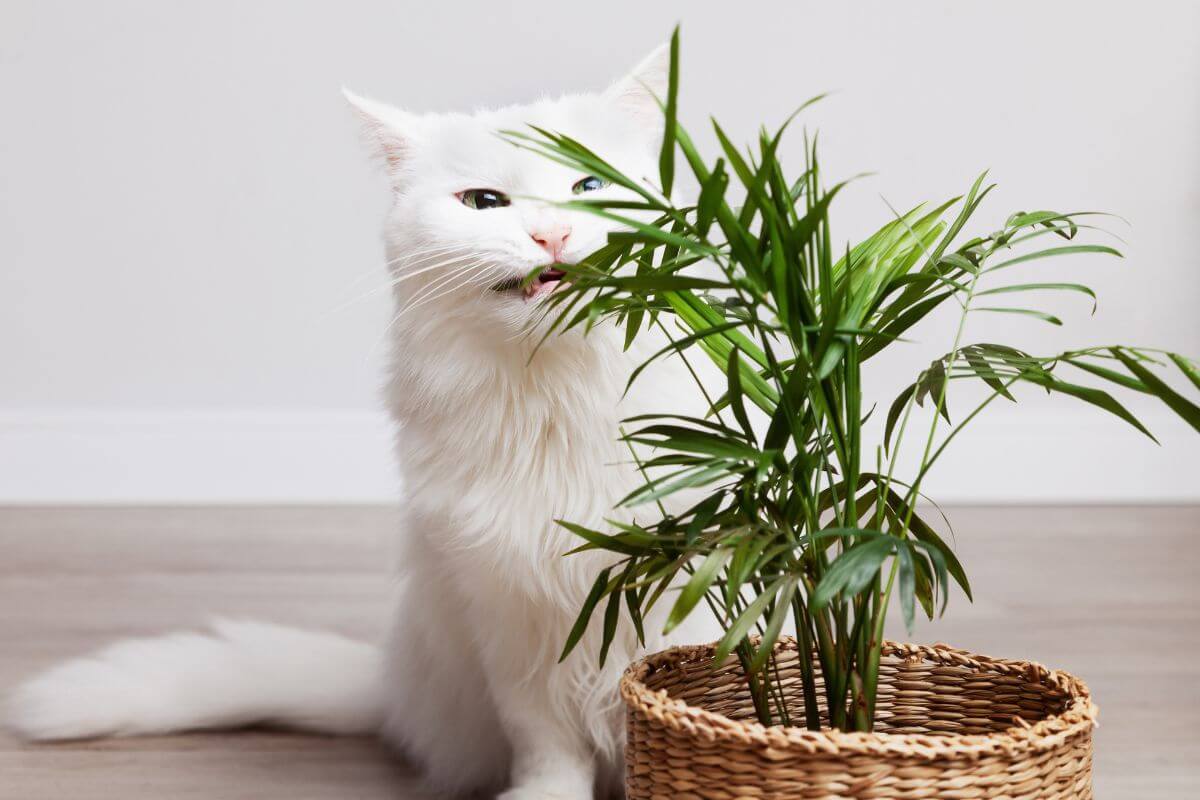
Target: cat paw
(542, 793)
(548, 790)
(551, 774)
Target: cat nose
(553, 239)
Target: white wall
(184, 210)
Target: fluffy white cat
(493, 447)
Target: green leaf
(741, 626)
(779, 615)
(666, 158)
(1109, 375)
(657, 282)
(927, 536)
(679, 345)
(1049, 219)
(933, 383)
(1053, 320)
(696, 587)
(686, 479)
(850, 573)
(699, 422)
(611, 614)
(736, 161)
(585, 613)
(1188, 368)
(1096, 397)
(907, 574)
(959, 261)
(734, 381)
(571, 154)
(633, 605)
(924, 584)
(1175, 401)
(903, 320)
(1017, 359)
(602, 541)
(697, 314)
(893, 415)
(644, 232)
(702, 514)
(632, 324)
(939, 565)
(1030, 287)
(1056, 251)
(712, 192)
(677, 437)
(985, 371)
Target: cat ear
(388, 131)
(639, 92)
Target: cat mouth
(546, 282)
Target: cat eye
(482, 199)
(589, 184)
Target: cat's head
(473, 214)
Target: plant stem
(875, 653)
(812, 713)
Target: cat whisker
(396, 318)
(416, 249)
(387, 285)
(438, 283)
(485, 286)
(408, 254)
(442, 289)
(402, 275)
(422, 254)
(484, 273)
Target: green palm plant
(801, 521)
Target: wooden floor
(1108, 593)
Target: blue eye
(482, 199)
(589, 184)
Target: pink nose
(553, 239)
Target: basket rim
(1047, 734)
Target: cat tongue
(546, 283)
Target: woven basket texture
(949, 724)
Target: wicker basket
(949, 725)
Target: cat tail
(241, 673)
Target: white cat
(493, 447)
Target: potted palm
(799, 534)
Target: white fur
(495, 445)
(241, 673)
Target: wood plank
(1105, 592)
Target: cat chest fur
(499, 454)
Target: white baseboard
(263, 456)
